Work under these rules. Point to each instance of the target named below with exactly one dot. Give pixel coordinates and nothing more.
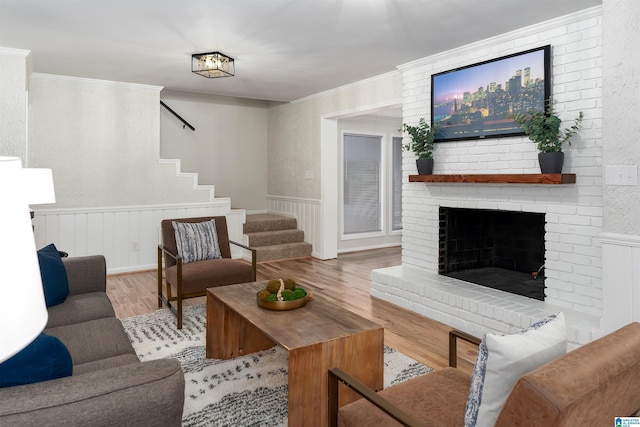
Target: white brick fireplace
(573, 212)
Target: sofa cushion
(94, 340)
(46, 358)
(199, 275)
(80, 308)
(436, 399)
(502, 359)
(196, 241)
(54, 275)
(139, 394)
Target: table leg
(361, 355)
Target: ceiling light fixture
(212, 65)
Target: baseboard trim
(368, 248)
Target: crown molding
(95, 81)
(14, 52)
(348, 86)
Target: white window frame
(393, 232)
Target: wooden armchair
(192, 279)
(589, 386)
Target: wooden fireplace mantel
(531, 178)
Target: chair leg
(176, 308)
(179, 294)
(169, 296)
(159, 277)
(333, 399)
(179, 314)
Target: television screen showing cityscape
(479, 101)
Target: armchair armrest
(337, 375)
(161, 298)
(453, 348)
(253, 256)
(164, 250)
(142, 394)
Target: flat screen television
(479, 100)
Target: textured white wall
(621, 68)
(102, 140)
(294, 146)
(228, 149)
(13, 103)
(573, 212)
(621, 128)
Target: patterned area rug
(246, 391)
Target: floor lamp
(23, 314)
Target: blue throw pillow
(46, 358)
(54, 275)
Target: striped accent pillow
(196, 241)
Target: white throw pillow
(503, 359)
(196, 241)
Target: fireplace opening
(494, 248)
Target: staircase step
(284, 251)
(268, 222)
(277, 237)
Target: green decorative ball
(272, 297)
(299, 293)
(288, 295)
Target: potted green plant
(422, 137)
(543, 128)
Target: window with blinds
(362, 172)
(396, 184)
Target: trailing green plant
(422, 137)
(543, 128)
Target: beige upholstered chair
(191, 279)
(588, 386)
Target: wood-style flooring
(345, 280)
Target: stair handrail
(185, 123)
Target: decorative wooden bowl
(282, 305)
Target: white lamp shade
(38, 186)
(23, 313)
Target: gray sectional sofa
(109, 385)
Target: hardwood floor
(344, 280)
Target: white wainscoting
(128, 236)
(621, 280)
(306, 212)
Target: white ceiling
(284, 49)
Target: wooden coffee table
(318, 336)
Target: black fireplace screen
(498, 249)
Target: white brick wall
(573, 212)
